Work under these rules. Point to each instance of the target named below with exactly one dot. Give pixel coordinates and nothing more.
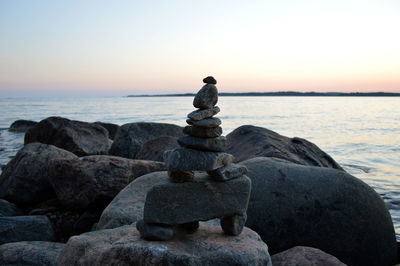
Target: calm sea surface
(360, 133)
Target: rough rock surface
(208, 122)
(95, 179)
(111, 128)
(24, 180)
(200, 200)
(8, 209)
(305, 256)
(206, 97)
(127, 206)
(78, 137)
(295, 205)
(21, 125)
(33, 253)
(155, 148)
(130, 137)
(207, 246)
(206, 144)
(228, 172)
(201, 114)
(203, 132)
(25, 228)
(210, 80)
(247, 142)
(182, 159)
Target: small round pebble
(210, 80)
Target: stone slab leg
(233, 225)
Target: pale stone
(200, 114)
(206, 97)
(208, 122)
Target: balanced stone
(200, 114)
(201, 200)
(203, 132)
(207, 97)
(233, 225)
(182, 159)
(208, 122)
(154, 232)
(181, 176)
(206, 144)
(210, 80)
(228, 172)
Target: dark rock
(294, 205)
(21, 125)
(95, 179)
(203, 132)
(233, 225)
(305, 256)
(25, 178)
(78, 137)
(207, 246)
(205, 144)
(25, 228)
(130, 137)
(181, 176)
(210, 80)
(127, 207)
(189, 228)
(247, 142)
(111, 128)
(228, 172)
(182, 159)
(32, 253)
(208, 122)
(86, 221)
(201, 114)
(8, 209)
(206, 97)
(200, 200)
(155, 148)
(154, 232)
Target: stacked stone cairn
(203, 183)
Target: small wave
(362, 168)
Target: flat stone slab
(205, 144)
(203, 132)
(201, 200)
(206, 97)
(182, 159)
(208, 122)
(200, 114)
(124, 246)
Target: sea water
(361, 133)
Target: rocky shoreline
(76, 183)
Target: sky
(135, 47)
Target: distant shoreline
(282, 93)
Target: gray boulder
(33, 253)
(200, 200)
(130, 137)
(305, 256)
(25, 228)
(78, 137)
(95, 180)
(21, 125)
(247, 142)
(207, 246)
(111, 128)
(24, 180)
(155, 148)
(294, 205)
(8, 209)
(127, 207)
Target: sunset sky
(135, 47)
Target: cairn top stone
(206, 97)
(210, 80)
